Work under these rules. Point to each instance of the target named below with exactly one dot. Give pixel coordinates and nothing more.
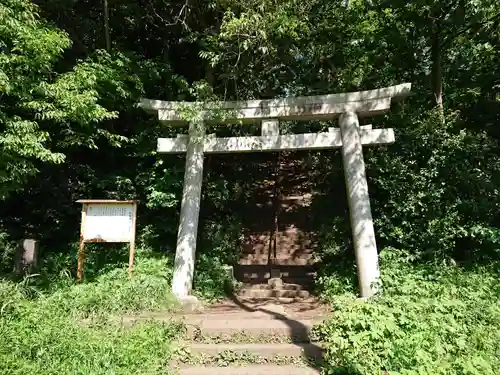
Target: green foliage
(71, 330)
(115, 292)
(44, 110)
(440, 194)
(59, 346)
(219, 248)
(430, 319)
(8, 251)
(211, 279)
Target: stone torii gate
(350, 137)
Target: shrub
(211, 278)
(432, 319)
(114, 292)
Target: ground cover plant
(430, 319)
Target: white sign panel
(108, 222)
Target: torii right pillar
(365, 246)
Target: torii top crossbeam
(364, 103)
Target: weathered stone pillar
(26, 257)
(360, 214)
(190, 209)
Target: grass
(42, 332)
(432, 319)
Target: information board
(109, 222)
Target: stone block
(275, 273)
(26, 257)
(270, 127)
(275, 282)
(190, 304)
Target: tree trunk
(106, 25)
(209, 75)
(437, 74)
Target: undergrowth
(43, 331)
(211, 280)
(432, 319)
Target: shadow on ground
(312, 352)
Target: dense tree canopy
(72, 72)
(69, 80)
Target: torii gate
(350, 138)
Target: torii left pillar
(189, 215)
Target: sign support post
(132, 241)
(81, 247)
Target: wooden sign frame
(89, 203)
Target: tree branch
(176, 18)
(475, 27)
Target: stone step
(236, 307)
(286, 203)
(249, 330)
(285, 286)
(258, 271)
(270, 293)
(255, 254)
(304, 282)
(262, 350)
(258, 309)
(291, 196)
(250, 370)
(273, 300)
(230, 354)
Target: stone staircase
(277, 289)
(265, 328)
(237, 337)
(285, 206)
(286, 283)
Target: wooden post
(81, 248)
(132, 242)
